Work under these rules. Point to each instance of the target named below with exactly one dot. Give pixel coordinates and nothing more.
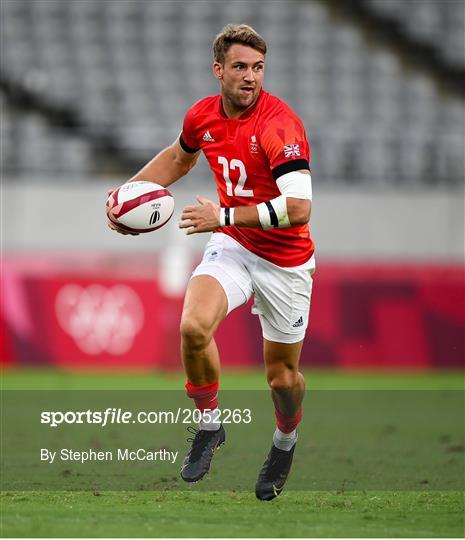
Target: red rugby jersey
(247, 155)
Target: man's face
(241, 76)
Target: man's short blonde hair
(237, 33)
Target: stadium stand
(441, 24)
(128, 70)
(31, 145)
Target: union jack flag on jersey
(291, 150)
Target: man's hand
(203, 218)
(113, 226)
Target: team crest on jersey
(253, 145)
(291, 150)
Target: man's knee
(282, 378)
(196, 332)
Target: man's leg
(205, 306)
(287, 391)
(286, 382)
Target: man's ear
(218, 70)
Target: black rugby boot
(197, 462)
(274, 473)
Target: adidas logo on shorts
(298, 323)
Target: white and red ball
(140, 207)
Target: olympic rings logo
(100, 319)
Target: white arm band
(226, 217)
(295, 184)
(274, 213)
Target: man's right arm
(167, 166)
(164, 169)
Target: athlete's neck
(233, 112)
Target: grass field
(191, 512)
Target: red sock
(205, 397)
(286, 424)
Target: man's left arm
(291, 207)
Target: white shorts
(281, 295)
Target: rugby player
(258, 151)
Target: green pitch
(298, 514)
(198, 513)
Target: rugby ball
(140, 207)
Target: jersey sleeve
(285, 144)
(187, 138)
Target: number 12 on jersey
(239, 190)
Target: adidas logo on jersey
(207, 137)
(298, 323)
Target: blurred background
(91, 89)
